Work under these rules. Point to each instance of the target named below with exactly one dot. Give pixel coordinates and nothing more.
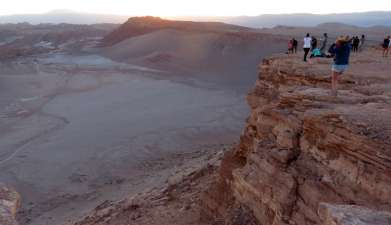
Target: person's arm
(332, 49)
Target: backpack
(316, 52)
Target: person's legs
(306, 50)
(334, 82)
(386, 52)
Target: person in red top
(290, 46)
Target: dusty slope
(212, 52)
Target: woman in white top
(307, 46)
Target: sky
(194, 7)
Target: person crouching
(341, 51)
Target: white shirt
(307, 42)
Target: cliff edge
(305, 156)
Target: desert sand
(75, 134)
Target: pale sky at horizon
(194, 8)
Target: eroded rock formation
(352, 215)
(301, 147)
(9, 203)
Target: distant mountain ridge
(63, 16)
(366, 19)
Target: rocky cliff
(9, 203)
(302, 148)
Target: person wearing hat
(341, 52)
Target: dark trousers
(306, 51)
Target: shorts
(339, 68)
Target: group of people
(311, 45)
(340, 50)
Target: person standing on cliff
(324, 43)
(386, 46)
(290, 46)
(307, 46)
(341, 52)
(314, 43)
(362, 42)
(295, 43)
(356, 43)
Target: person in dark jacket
(341, 52)
(356, 43)
(386, 46)
(314, 43)
(295, 44)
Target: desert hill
(136, 26)
(206, 49)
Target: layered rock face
(302, 147)
(352, 215)
(9, 203)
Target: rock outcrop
(9, 203)
(352, 215)
(302, 147)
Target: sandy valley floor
(75, 131)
